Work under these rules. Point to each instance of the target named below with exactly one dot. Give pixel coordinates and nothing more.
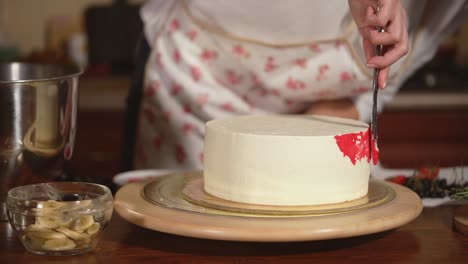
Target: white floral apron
(195, 74)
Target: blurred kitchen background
(427, 123)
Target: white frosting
(282, 160)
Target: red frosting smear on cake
(375, 149)
(356, 147)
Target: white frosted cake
(286, 160)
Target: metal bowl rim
(75, 71)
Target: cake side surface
(286, 160)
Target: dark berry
(442, 183)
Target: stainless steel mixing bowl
(38, 106)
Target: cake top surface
(288, 125)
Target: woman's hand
(392, 18)
(339, 107)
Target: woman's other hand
(339, 107)
(392, 18)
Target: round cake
(286, 160)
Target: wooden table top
(428, 239)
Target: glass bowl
(59, 218)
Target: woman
(212, 59)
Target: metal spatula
(373, 136)
(375, 89)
